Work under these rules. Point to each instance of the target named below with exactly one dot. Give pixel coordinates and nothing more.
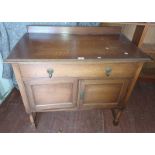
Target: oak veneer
(47, 94)
(93, 70)
(75, 68)
(75, 30)
(102, 93)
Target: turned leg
(117, 114)
(32, 117)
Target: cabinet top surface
(71, 47)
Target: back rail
(75, 30)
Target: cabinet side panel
(133, 82)
(21, 87)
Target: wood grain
(81, 70)
(45, 94)
(102, 92)
(21, 87)
(57, 47)
(75, 30)
(130, 89)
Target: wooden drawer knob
(50, 72)
(108, 71)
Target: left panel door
(51, 94)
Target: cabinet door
(101, 93)
(48, 94)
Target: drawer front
(45, 94)
(120, 70)
(102, 93)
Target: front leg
(32, 117)
(117, 114)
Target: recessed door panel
(45, 94)
(102, 92)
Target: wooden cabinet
(75, 68)
(102, 93)
(45, 94)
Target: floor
(139, 116)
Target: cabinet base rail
(116, 112)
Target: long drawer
(120, 70)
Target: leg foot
(32, 117)
(115, 123)
(116, 115)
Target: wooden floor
(138, 117)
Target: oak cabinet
(75, 68)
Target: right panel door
(102, 93)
